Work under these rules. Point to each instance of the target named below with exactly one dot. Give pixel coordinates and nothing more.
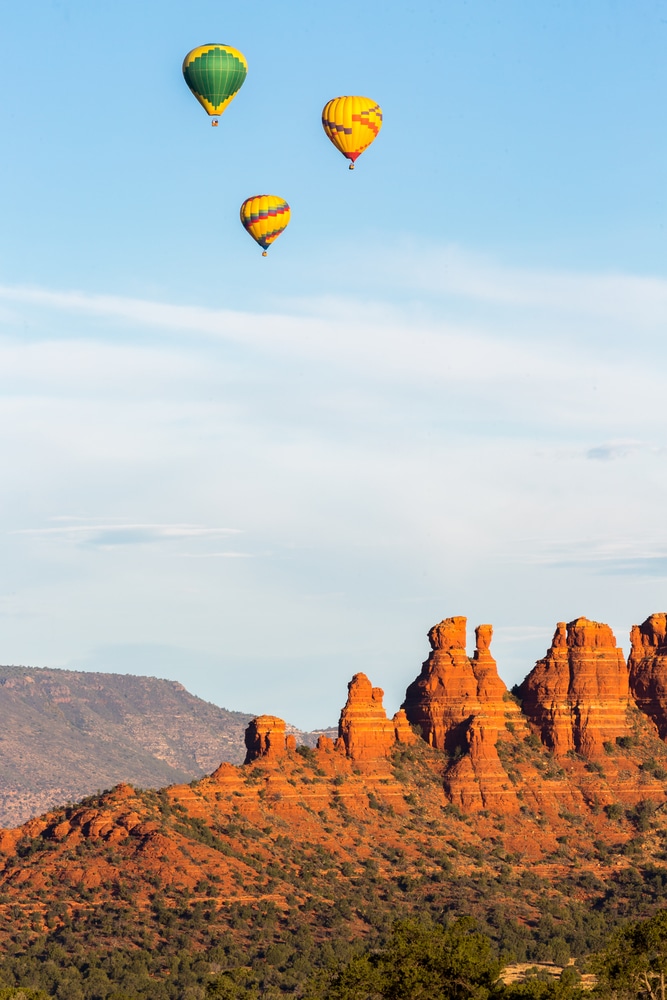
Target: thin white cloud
(385, 337)
(629, 556)
(216, 555)
(118, 533)
(374, 452)
(453, 271)
(613, 450)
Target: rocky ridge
(67, 733)
(575, 707)
(466, 801)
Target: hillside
(539, 814)
(66, 734)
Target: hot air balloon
(214, 73)
(352, 123)
(265, 216)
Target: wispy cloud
(621, 297)
(397, 330)
(216, 555)
(613, 450)
(471, 448)
(111, 535)
(604, 556)
(646, 566)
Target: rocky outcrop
(461, 705)
(477, 779)
(265, 737)
(403, 731)
(578, 695)
(647, 665)
(365, 732)
(453, 688)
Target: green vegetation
(309, 951)
(422, 961)
(634, 962)
(224, 901)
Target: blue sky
(442, 393)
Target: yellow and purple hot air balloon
(265, 217)
(214, 74)
(352, 123)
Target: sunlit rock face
(461, 706)
(647, 664)
(579, 694)
(265, 737)
(365, 732)
(453, 687)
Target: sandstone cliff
(648, 669)
(462, 706)
(578, 695)
(365, 731)
(452, 687)
(265, 737)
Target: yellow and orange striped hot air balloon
(265, 217)
(352, 123)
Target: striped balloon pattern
(265, 217)
(352, 123)
(214, 74)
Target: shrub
(642, 814)
(614, 810)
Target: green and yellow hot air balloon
(265, 217)
(352, 123)
(214, 74)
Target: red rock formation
(478, 780)
(452, 688)
(462, 706)
(647, 664)
(265, 737)
(365, 731)
(403, 731)
(578, 695)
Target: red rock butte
(497, 747)
(578, 695)
(265, 737)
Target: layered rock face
(265, 737)
(647, 664)
(462, 706)
(403, 731)
(453, 688)
(365, 731)
(578, 695)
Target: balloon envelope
(214, 73)
(352, 123)
(265, 217)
